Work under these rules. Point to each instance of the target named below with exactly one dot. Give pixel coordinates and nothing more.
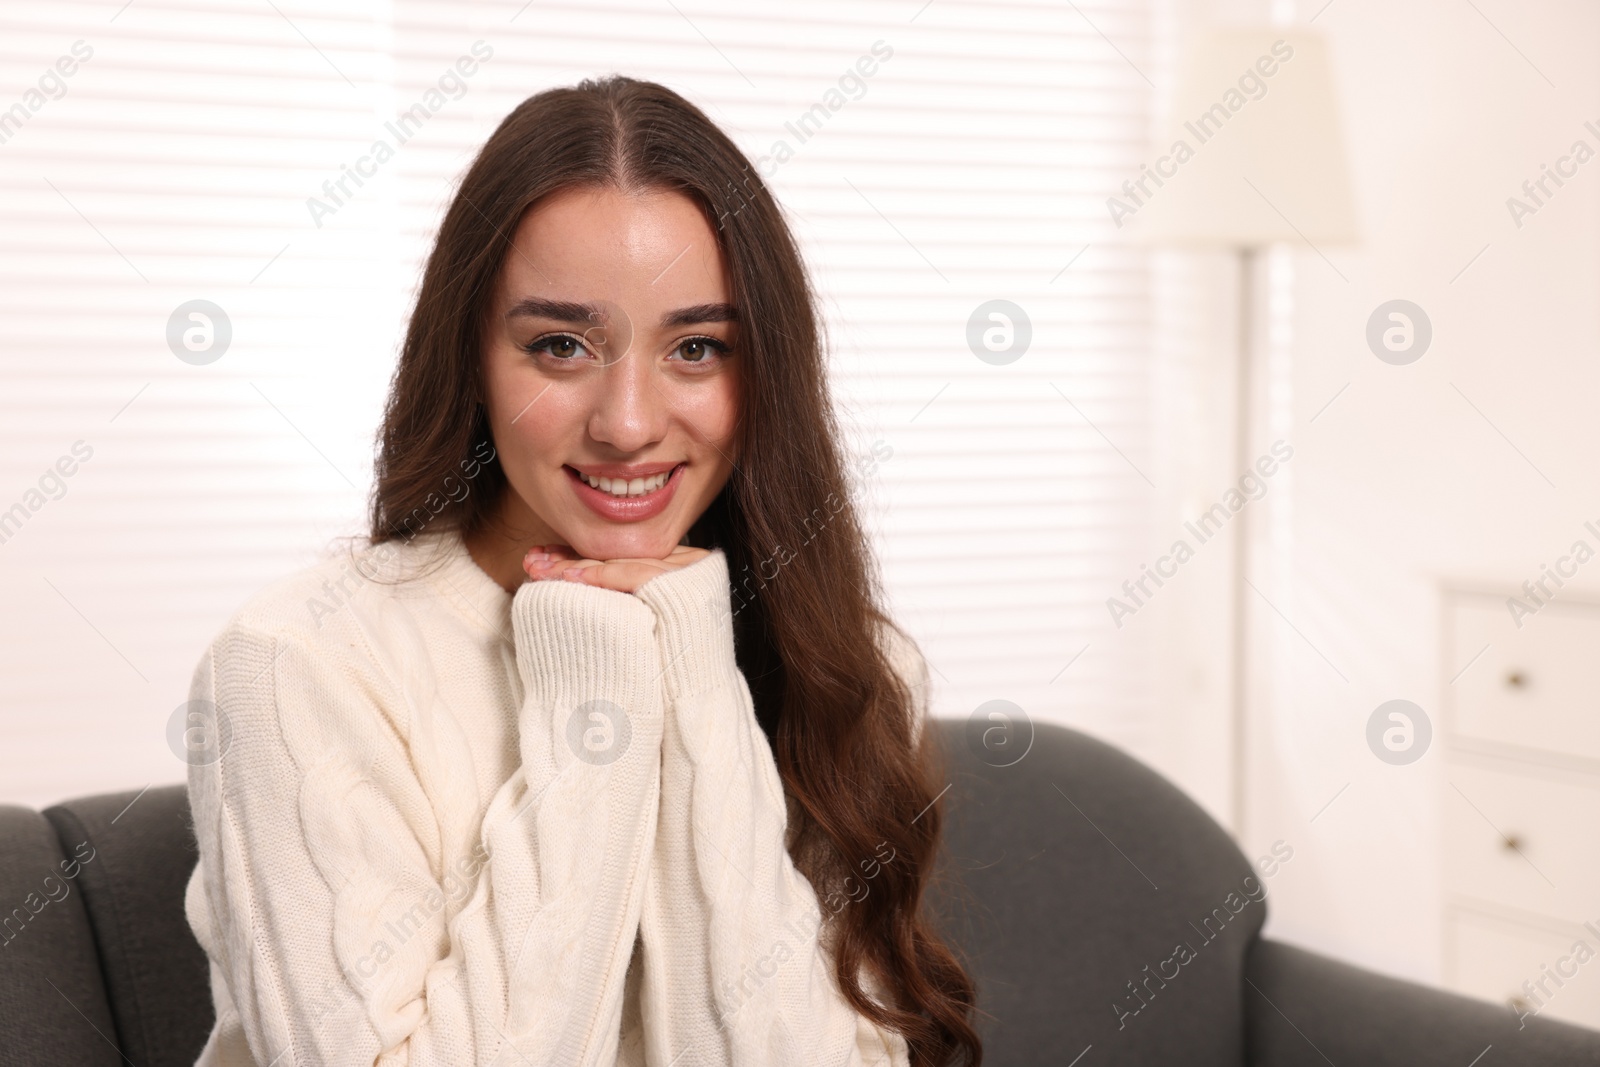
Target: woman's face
(613, 392)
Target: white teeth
(625, 487)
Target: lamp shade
(1254, 152)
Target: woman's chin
(621, 542)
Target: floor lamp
(1254, 155)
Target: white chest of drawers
(1520, 814)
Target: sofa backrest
(1077, 873)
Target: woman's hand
(559, 562)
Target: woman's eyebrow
(573, 311)
(559, 310)
(699, 313)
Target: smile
(627, 486)
(623, 499)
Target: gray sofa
(1069, 880)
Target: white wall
(1400, 485)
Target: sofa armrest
(1306, 1010)
(157, 978)
(53, 1006)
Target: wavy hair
(808, 622)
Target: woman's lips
(626, 508)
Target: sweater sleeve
(340, 933)
(734, 971)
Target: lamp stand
(1244, 394)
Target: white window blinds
(933, 157)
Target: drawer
(1536, 687)
(1553, 817)
(1492, 958)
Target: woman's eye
(559, 345)
(701, 350)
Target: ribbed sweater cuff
(581, 642)
(694, 619)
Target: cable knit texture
(450, 825)
(740, 976)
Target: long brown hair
(806, 592)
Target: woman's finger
(625, 575)
(540, 558)
(622, 575)
(681, 556)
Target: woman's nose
(629, 410)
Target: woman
(601, 751)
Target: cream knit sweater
(455, 826)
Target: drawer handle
(1516, 679)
